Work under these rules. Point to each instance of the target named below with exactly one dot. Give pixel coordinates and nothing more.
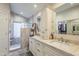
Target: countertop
(70, 48)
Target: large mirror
(67, 19)
(68, 26)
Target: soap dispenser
(51, 36)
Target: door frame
(10, 36)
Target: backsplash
(71, 38)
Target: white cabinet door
(32, 47)
(51, 51)
(35, 47)
(48, 51)
(39, 48)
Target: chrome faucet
(64, 40)
(61, 39)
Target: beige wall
(34, 18)
(47, 22)
(4, 28)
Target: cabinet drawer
(38, 44)
(39, 48)
(39, 52)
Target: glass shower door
(15, 41)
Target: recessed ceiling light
(35, 5)
(21, 13)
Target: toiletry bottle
(51, 36)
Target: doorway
(15, 38)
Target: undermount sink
(60, 43)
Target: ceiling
(26, 9)
(66, 6)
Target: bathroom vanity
(42, 47)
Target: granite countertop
(70, 48)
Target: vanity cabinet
(41, 49)
(35, 47)
(49, 51)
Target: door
(15, 41)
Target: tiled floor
(20, 52)
(26, 54)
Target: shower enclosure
(15, 37)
